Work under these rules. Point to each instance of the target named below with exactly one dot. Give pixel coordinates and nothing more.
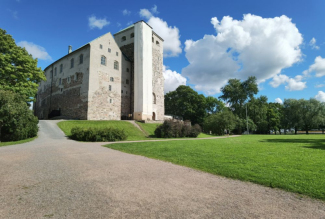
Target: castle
(109, 78)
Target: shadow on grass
(312, 143)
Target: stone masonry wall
(158, 82)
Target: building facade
(110, 78)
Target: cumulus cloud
(312, 43)
(256, 46)
(318, 67)
(278, 80)
(278, 100)
(93, 22)
(320, 96)
(126, 12)
(172, 80)
(296, 83)
(35, 50)
(172, 44)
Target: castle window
(55, 71)
(111, 79)
(153, 40)
(71, 63)
(132, 35)
(116, 53)
(81, 59)
(110, 87)
(110, 101)
(123, 38)
(61, 68)
(103, 60)
(60, 81)
(51, 73)
(127, 81)
(100, 46)
(109, 50)
(157, 43)
(122, 91)
(116, 65)
(127, 70)
(153, 98)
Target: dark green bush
(177, 129)
(17, 121)
(98, 134)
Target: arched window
(153, 98)
(132, 35)
(116, 65)
(71, 63)
(123, 38)
(81, 59)
(103, 60)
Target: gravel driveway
(53, 177)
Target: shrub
(98, 134)
(17, 121)
(177, 129)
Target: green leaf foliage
(220, 122)
(98, 134)
(17, 121)
(18, 70)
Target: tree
(257, 111)
(219, 122)
(292, 114)
(273, 116)
(236, 93)
(17, 121)
(214, 105)
(310, 113)
(186, 102)
(18, 70)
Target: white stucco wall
(142, 71)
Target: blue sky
(282, 43)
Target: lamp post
(247, 120)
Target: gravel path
(53, 177)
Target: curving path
(53, 177)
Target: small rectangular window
(122, 91)
(110, 87)
(55, 71)
(111, 79)
(109, 50)
(127, 81)
(116, 53)
(110, 100)
(100, 46)
(61, 68)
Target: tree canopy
(18, 70)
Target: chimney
(70, 49)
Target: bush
(17, 121)
(177, 129)
(98, 134)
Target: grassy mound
(132, 132)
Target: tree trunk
(296, 130)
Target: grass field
(16, 142)
(294, 163)
(132, 132)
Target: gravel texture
(53, 177)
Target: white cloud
(319, 85)
(278, 80)
(93, 22)
(254, 46)
(320, 96)
(35, 50)
(278, 100)
(126, 12)
(295, 83)
(145, 13)
(154, 9)
(312, 43)
(170, 35)
(318, 67)
(172, 80)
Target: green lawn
(16, 142)
(293, 163)
(132, 132)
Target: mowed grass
(16, 142)
(293, 163)
(150, 128)
(133, 132)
